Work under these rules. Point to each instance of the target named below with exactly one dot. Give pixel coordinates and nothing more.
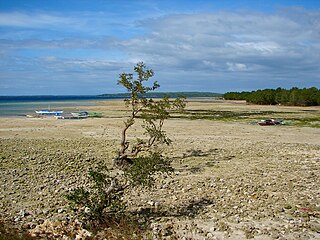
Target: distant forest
(292, 97)
(168, 94)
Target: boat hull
(270, 122)
(47, 112)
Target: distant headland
(167, 94)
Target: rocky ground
(232, 179)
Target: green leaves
(102, 196)
(136, 87)
(138, 159)
(144, 168)
(79, 196)
(125, 80)
(152, 112)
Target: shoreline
(28, 108)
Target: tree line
(292, 97)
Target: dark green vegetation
(292, 97)
(101, 197)
(167, 94)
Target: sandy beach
(233, 178)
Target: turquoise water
(21, 106)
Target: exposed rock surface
(231, 180)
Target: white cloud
(58, 25)
(236, 66)
(270, 42)
(264, 48)
(197, 50)
(50, 59)
(34, 20)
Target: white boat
(48, 112)
(80, 114)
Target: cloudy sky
(70, 47)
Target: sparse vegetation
(231, 180)
(293, 118)
(153, 113)
(228, 176)
(101, 199)
(139, 160)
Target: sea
(12, 106)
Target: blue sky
(71, 47)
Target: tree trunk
(122, 162)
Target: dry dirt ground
(233, 179)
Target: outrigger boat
(73, 115)
(80, 114)
(48, 112)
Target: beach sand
(233, 179)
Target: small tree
(153, 113)
(140, 159)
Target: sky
(79, 47)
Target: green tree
(294, 96)
(140, 160)
(152, 112)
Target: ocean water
(24, 105)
